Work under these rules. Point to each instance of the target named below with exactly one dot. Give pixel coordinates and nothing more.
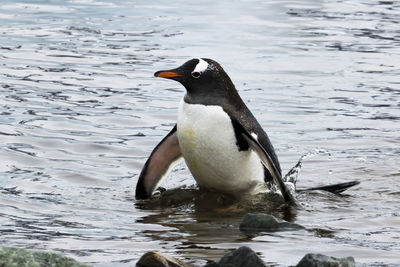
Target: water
(81, 111)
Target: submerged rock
(243, 256)
(259, 222)
(20, 257)
(319, 260)
(156, 259)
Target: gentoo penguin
(220, 140)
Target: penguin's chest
(208, 144)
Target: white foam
(201, 66)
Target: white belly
(208, 144)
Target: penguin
(222, 143)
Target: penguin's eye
(195, 74)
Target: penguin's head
(202, 77)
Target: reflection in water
(200, 215)
(80, 113)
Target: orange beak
(166, 74)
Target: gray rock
(212, 264)
(243, 256)
(156, 259)
(259, 222)
(319, 260)
(20, 257)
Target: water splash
(293, 173)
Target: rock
(319, 260)
(212, 264)
(156, 259)
(259, 222)
(20, 257)
(243, 256)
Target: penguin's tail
(335, 188)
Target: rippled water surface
(81, 111)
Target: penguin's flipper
(266, 161)
(334, 188)
(163, 157)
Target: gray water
(81, 111)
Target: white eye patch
(201, 66)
